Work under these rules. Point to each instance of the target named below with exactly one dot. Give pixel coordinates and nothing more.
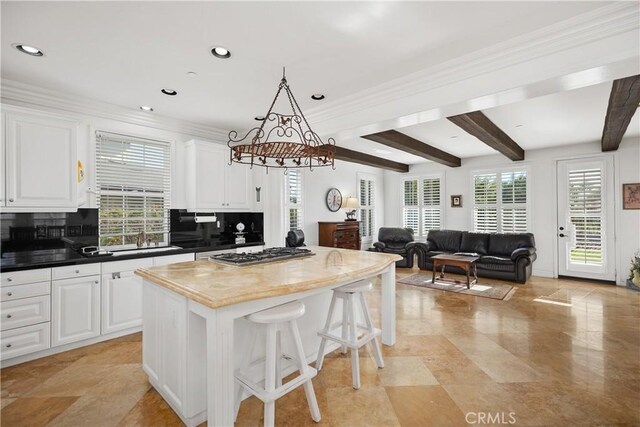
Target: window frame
(299, 205)
(166, 194)
(421, 206)
(498, 171)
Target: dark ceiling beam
(623, 103)
(400, 141)
(341, 153)
(479, 125)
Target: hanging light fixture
(282, 140)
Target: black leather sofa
(507, 256)
(393, 240)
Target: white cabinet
(212, 184)
(40, 162)
(76, 309)
(163, 351)
(122, 294)
(172, 259)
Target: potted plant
(633, 282)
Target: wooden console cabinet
(343, 234)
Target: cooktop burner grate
(267, 255)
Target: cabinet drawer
(172, 259)
(25, 312)
(127, 265)
(10, 293)
(26, 276)
(25, 340)
(75, 271)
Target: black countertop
(26, 260)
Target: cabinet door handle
(115, 275)
(8, 345)
(9, 294)
(77, 271)
(9, 316)
(11, 200)
(9, 279)
(96, 282)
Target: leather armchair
(395, 240)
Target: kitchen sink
(145, 250)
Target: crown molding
(613, 19)
(25, 95)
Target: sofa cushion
(491, 259)
(434, 253)
(506, 243)
(498, 267)
(399, 251)
(399, 235)
(475, 243)
(445, 240)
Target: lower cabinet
(75, 309)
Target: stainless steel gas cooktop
(267, 255)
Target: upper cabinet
(212, 184)
(40, 162)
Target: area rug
(493, 291)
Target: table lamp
(350, 205)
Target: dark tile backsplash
(48, 230)
(189, 234)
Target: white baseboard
(543, 273)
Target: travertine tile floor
(457, 357)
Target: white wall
(345, 179)
(542, 164)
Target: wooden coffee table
(465, 262)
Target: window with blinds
(586, 215)
(422, 205)
(366, 197)
(293, 191)
(133, 179)
(500, 202)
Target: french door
(585, 218)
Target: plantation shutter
(485, 212)
(294, 198)
(133, 178)
(431, 208)
(366, 189)
(513, 213)
(586, 213)
(410, 210)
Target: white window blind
(586, 213)
(431, 206)
(134, 188)
(366, 190)
(293, 191)
(410, 209)
(422, 206)
(500, 202)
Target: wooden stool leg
(355, 358)
(345, 324)
(302, 360)
(375, 346)
(247, 357)
(270, 375)
(327, 325)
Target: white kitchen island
(194, 328)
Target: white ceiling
(125, 52)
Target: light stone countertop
(216, 285)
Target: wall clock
(334, 199)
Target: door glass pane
(585, 213)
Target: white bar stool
(350, 328)
(272, 388)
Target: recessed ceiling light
(29, 50)
(453, 137)
(146, 108)
(380, 151)
(317, 96)
(191, 73)
(259, 118)
(221, 52)
(169, 92)
(519, 126)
